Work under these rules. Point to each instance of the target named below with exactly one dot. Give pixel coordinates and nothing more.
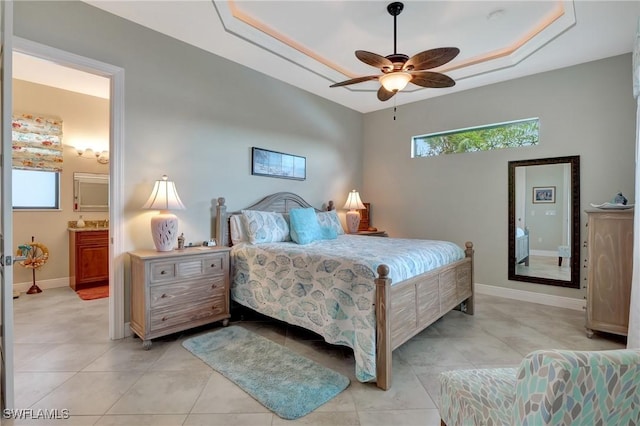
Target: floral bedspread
(328, 286)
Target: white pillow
(238, 231)
(330, 220)
(265, 227)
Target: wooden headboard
(279, 202)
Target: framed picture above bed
(277, 164)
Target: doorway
(115, 75)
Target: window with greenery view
(511, 134)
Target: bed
(387, 313)
(522, 246)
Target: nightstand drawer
(186, 292)
(180, 314)
(162, 271)
(215, 265)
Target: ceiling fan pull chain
(395, 103)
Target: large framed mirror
(544, 221)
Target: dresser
(88, 258)
(609, 270)
(177, 290)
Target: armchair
(550, 387)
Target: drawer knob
(213, 265)
(213, 286)
(164, 318)
(164, 295)
(213, 307)
(163, 272)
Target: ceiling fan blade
(355, 80)
(384, 94)
(374, 59)
(431, 58)
(432, 79)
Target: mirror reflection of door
(544, 219)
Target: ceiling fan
(398, 69)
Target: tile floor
(64, 360)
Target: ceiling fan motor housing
(398, 60)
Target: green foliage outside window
(483, 138)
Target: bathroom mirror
(90, 192)
(544, 221)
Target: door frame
(117, 253)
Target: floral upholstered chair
(551, 387)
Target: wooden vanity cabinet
(88, 258)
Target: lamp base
(353, 221)
(164, 229)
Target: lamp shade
(353, 204)
(353, 201)
(395, 81)
(164, 196)
(164, 226)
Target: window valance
(37, 143)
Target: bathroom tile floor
(65, 360)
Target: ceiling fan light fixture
(395, 81)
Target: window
(511, 134)
(34, 189)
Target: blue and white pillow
(330, 220)
(306, 229)
(265, 227)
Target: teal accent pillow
(305, 227)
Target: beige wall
(195, 116)
(586, 110)
(85, 118)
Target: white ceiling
(310, 44)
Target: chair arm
(578, 387)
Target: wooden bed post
(221, 223)
(468, 251)
(383, 328)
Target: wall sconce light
(101, 156)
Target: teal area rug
(288, 384)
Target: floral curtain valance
(37, 143)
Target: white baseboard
(546, 253)
(43, 284)
(529, 296)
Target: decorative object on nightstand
(353, 204)
(365, 215)
(164, 226)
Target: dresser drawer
(215, 265)
(186, 292)
(192, 268)
(162, 271)
(176, 315)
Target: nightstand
(177, 290)
(372, 233)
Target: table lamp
(353, 204)
(164, 226)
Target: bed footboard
(407, 308)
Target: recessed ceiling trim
(242, 24)
(559, 20)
